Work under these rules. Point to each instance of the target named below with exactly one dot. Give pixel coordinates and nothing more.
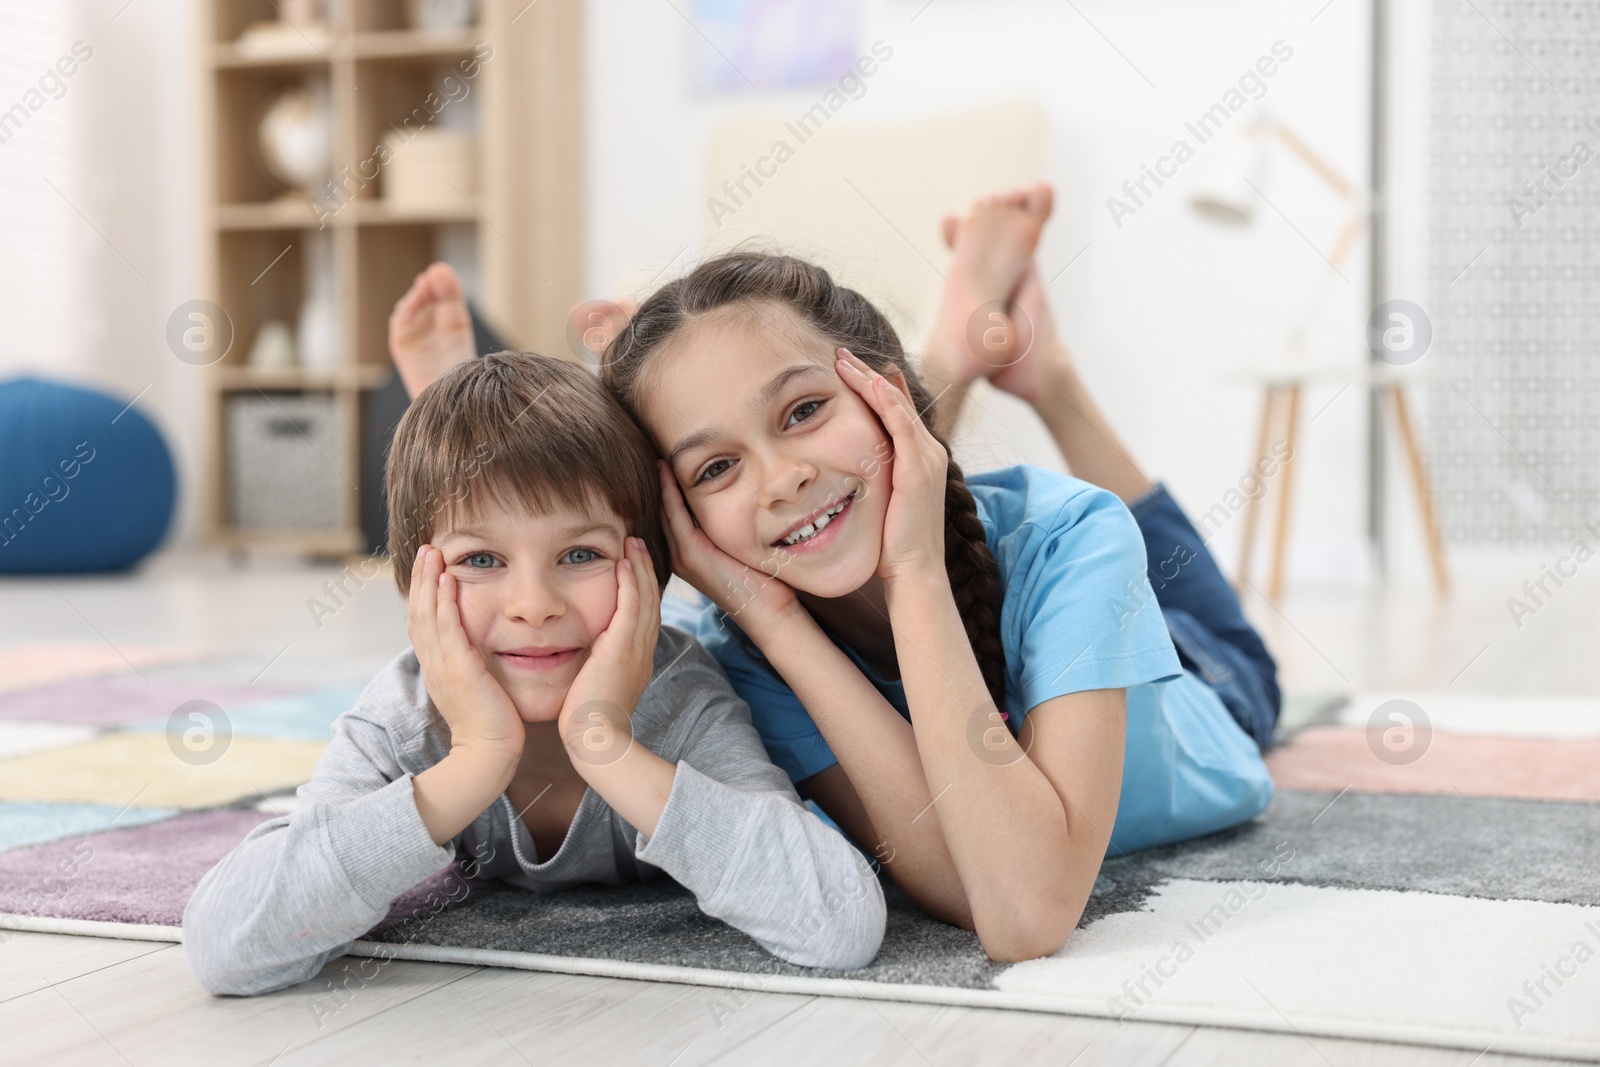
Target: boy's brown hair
(520, 431)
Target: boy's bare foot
(993, 247)
(430, 330)
(594, 324)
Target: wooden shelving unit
(525, 214)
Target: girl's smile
(818, 530)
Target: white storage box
(282, 448)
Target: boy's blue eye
(480, 560)
(803, 411)
(580, 556)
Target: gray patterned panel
(1514, 426)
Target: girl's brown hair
(848, 320)
(522, 431)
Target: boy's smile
(784, 466)
(534, 658)
(535, 591)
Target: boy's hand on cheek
(595, 717)
(596, 720)
(480, 712)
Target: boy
(543, 722)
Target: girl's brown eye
(804, 411)
(713, 470)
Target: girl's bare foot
(1043, 374)
(993, 246)
(1041, 358)
(1047, 378)
(430, 330)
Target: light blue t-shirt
(1077, 614)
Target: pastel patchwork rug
(1428, 873)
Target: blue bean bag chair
(86, 484)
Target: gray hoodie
(300, 888)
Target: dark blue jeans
(1214, 639)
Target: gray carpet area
(1477, 847)
(659, 923)
(1501, 849)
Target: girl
(965, 674)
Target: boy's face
(535, 591)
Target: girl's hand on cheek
(913, 528)
(472, 701)
(749, 596)
(599, 707)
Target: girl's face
(785, 467)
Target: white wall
(46, 279)
(1156, 310)
(147, 142)
(132, 228)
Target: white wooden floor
(68, 1000)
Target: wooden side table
(1280, 403)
